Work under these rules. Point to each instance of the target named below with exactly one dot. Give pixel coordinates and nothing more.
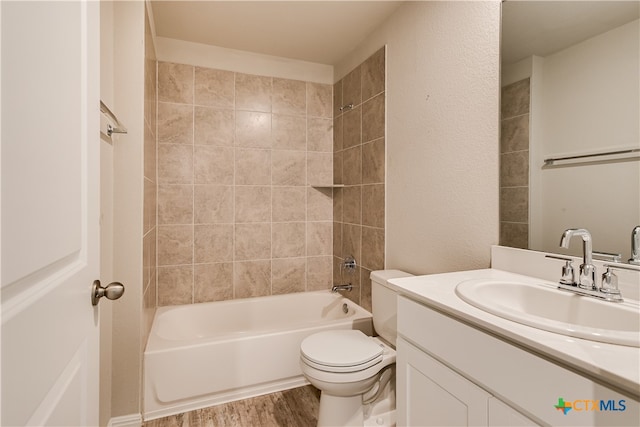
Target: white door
(50, 212)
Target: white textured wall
(128, 65)
(443, 89)
(587, 100)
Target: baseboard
(132, 420)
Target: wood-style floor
(297, 407)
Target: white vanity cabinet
(431, 394)
(450, 373)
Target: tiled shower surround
(359, 164)
(514, 165)
(237, 155)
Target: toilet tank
(384, 303)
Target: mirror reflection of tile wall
(514, 165)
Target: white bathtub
(204, 354)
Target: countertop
(616, 365)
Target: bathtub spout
(347, 287)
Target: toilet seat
(341, 351)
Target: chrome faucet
(587, 278)
(347, 287)
(635, 246)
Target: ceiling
(544, 27)
(316, 31)
(327, 31)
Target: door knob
(113, 290)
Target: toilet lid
(341, 349)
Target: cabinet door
(431, 394)
(501, 414)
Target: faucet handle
(568, 274)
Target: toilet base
(386, 419)
(340, 411)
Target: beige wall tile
(514, 134)
(338, 168)
(175, 83)
(175, 204)
(352, 128)
(373, 205)
(289, 132)
(252, 241)
(354, 280)
(175, 123)
(338, 204)
(213, 204)
(319, 100)
(373, 73)
(150, 153)
(253, 129)
(288, 239)
(514, 235)
(252, 279)
(515, 99)
(320, 134)
(351, 241)
(213, 243)
(338, 133)
(514, 169)
(337, 239)
(352, 166)
(253, 166)
(319, 273)
(337, 271)
(337, 98)
(288, 204)
(289, 275)
(373, 118)
(319, 238)
(214, 88)
(514, 204)
(288, 167)
(365, 289)
(175, 285)
(236, 152)
(213, 165)
(372, 248)
(373, 162)
(214, 126)
(149, 204)
(352, 204)
(175, 164)
(319, 204)
(319, 168)
(253, 93)
(212, 282)
(253, 204)
(175, 244)
(289, 97)
(351, 89)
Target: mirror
(570, 94)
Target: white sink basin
(545, 307)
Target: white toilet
(349, 367)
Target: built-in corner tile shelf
(327, 185)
